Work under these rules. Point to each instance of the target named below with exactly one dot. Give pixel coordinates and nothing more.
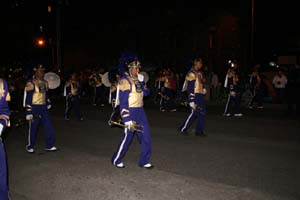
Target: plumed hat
(127, 60)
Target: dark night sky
(275, 23)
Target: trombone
(135, 127)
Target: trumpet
(135, 127)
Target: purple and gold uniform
(194, 82)
(96, 82)
(37, 104)
(131, 92)
(167, 93)
(4, 122)
(71, 92)
(234, 97)
(256, 89)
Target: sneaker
(227, 115)
(173, 110)
(163, 110)
(101, 105)
(147, 166)
(67, 118)
(250, 107)
(29, 150)
(51, 149)
(120, 165)
(238, 114)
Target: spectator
(280, 82)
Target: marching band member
(95, 81)
(159, 82)
(4, 122)
(37, 103)
(115, 115)
(167, 93)
(132, 89)
(232, 86)
(72, 92)
(256, 90)
(196, 91)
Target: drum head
(105, 79)
(146, 76)
(53, 80)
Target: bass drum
(146, 76)
(105, 79)
(53, 80)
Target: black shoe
(201, 134)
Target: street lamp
(40, 42)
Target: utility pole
(58, 36)
(252, 32)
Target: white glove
(1, 129)
(204, 91)
(129, 124)
(29, 117)
(141, 77)
(49, 106)
(192, 105)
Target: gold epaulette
(124, 85)
(29, 86)
(190, 76)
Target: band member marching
(256, 89)
(132, 89)
(159, 82)
(37, 103)
(115, 115)
(72, 92)
(234, 97)
(4, 122)
(167, 93)
(194, 83)
(95, 81)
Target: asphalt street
(256, 156)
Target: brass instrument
(135, 127)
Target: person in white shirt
(280, 82)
